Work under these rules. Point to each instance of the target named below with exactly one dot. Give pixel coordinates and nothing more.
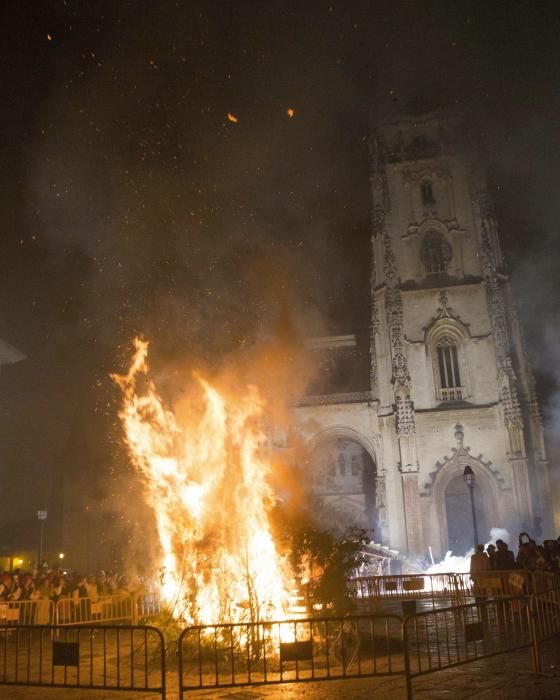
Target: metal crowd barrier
(89, 656)
(404, 587)
(117, 608)
(460, 588)
(147, 605)
(26, 612)
(258, 653)
(434, 640)
(70, 611)
(505, 583)
(216, 656)
(132, 657)
(545, 620)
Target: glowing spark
(290, 112)
(232, 118)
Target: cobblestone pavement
(505, 677)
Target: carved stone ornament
(381, 206)
(406, 422)
(333, 399)
(404, 408)
(445, 312)
(414, 176)
(460, 458)
(490, 256)
(374, 329)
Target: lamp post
(41, 517)
(468, 476)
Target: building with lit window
(443, 381)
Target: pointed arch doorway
(452, 499)
(457, 502)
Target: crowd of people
(530, 556)
(57, 584)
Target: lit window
(449, 375)
(427, 193)
(435, 253)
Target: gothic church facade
(449, 383)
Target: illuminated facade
(449, 380)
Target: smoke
(193, 229)
(135, 206)
(523, 181)
(148, 212)
(462, 564)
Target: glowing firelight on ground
(206, 480)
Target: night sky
(131, 203)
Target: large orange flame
(207, 484)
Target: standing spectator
(82, 604)
(522, 555)
(102, 587)
(480, 565)
(15, 589)
(91, 589)
(491, 552)
(27, 588)
(5, 583)
(505, 559)
(59, 589)
(549, 555)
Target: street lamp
(41, 517)
(468, 476)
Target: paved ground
(500, 678)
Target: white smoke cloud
(452, 563)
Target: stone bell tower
(448, 361)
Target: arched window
(435, 253)
(447, 369)
(427, 193)
(447, 351)
(448, 366)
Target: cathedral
(441, 382)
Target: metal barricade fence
(89, 656)
(438, 639)
(505, 583)
(312, 649)
(542, 581)
(147, 605)
(73, 611)
(494, 583)
(545, 620)
(26, 612)
(404, 587)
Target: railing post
(408, 677)
(163, 664)
(180, 661)
(533, 631)
(134, 604)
